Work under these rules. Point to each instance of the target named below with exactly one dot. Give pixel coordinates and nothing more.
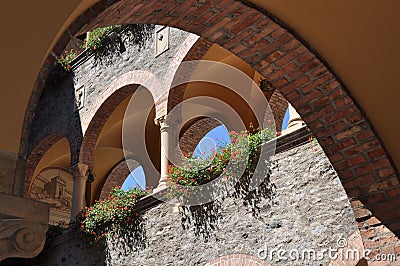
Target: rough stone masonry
(310, 211)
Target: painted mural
(54, 186)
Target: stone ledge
(279, 144)
(13, 206)
(23, 226)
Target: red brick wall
(366, 170)
(195, 132)
(278, 106)
(116, 178)
(354, 242)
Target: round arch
(36, 156)
(117, 176)
(119, 90)
(194, 132)
(103, 146)
(367, 172)
(278, 106)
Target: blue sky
(217, 137)
(135, 178)
(285, 120)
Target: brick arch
(365, 168)
(131, 78)
(196, 52)
(86, 153)
(163, 106)
(195, 132)
(36, 155)
(72, 132)
(237, 260)
(117, 176)
(104, 105)
(278, 105)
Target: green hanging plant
(96, 37)
(113, 214)
(65, 60)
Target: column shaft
(80, 173)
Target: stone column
(165, 148)
(80, 173)
(295, 122)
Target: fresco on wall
(54, 186)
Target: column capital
(21, 238)
(167, 121)
(80, 170)
(159, 121)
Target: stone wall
(337, 121)
(67, 249)
(58, 110)
(7, 172)
(310, 211)
(59, 116)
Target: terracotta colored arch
(104, 105)
(131, 78)
(355, 244)
(36, 155)
(101, 114)
(196, 52)
(368, 174)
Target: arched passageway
(345, 133)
